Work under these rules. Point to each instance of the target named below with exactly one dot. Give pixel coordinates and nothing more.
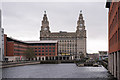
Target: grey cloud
(23, 19)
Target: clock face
(81, 24)
(80, 19)
(45, 29)
(80, 29)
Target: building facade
(73, 43)
(114, 38)
(14, 49)
(1, 40)
(103, 55)
(94, 56)
(44, 50)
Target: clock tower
(80, 25)
(44, 33)
(81, 36)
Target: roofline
(33, 42)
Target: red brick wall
(19, 49)
(5, 42)
(39, 50)
(119, 26)
(13, 48)
(113, 27)
(10, 48)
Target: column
(48, 58)
(69, 57)
(45, 58)
(118, 65)
(109, 62)
(115, 64)
(62, 57)
(37, 58)
(112, 63)
(65, 57)
(54, 58)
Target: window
(46, 51)
(42, 50)
(39, 54)
(39, 51)
(49, 47)
(46, 54)
(50, 54)
(39, 44)
(53, 50)
(42, 54)
(35, 51)
(35, 54)
(46, 48)
(42, 47)
(39, 48)
(35, 48)
(53, 47)
(49, 50)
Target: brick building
(114, 38)
(15, 49)
(44, 50)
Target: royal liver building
(73, 43)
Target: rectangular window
(53, 50)
(53, 47)
(39, 51)
(46, 48)
(42, 50)
(42, 54)
(42, 47)
(49, 50)
(49, 47)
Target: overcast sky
(22, 20)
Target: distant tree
(29, 54)
(82, 56)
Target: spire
(80, 16)
(80, 22)
(45, 21)
(45, 16)
(45, 12)
(80, 11)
